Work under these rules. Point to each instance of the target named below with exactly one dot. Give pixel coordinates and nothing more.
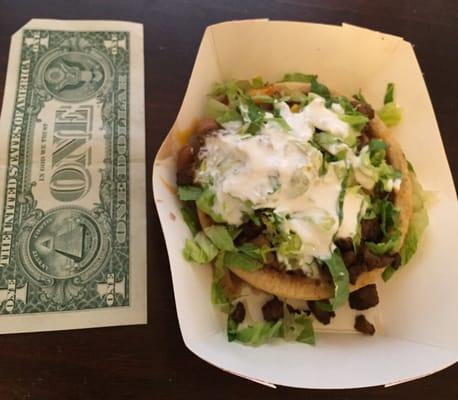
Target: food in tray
(300, 198)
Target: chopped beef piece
(363, 325)
(260, 240)
(205, 126)
(364, 109)
(349, 258)
(355, 271)
(293, 310)
(368, 131)
(325, 275)
(266, 106)
(273, 310)
(187, 156)
(364, 298)
(249, 231)
(238, 314)
(374, 261)
(396, 260)
(362, 141)
(323, 316)
(370, 230)
(186, 165)
(344, 244)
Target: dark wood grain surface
(151, 362)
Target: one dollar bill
(72, 177)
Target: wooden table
(151, 362)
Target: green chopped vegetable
(344, 103)
(200, 250)
(205, 204)
(390, 114)
(220, 298)
(389, 94)
(280, 121)
(319, 89)
(258, 333)
(418, 223)
(239, 260)
(388, 272)
(189, 193)
(251, 250)
(215, 108)
(389, 215)
(359, 96)
(233, 90)
(220, 237)
(377, 150)
(252, 116)
(340, 277)
(231, 329)
(387, 245)
(299, 77)
(297, 327)
(257, 82)
(357, 121)
(229, 116)
(190, 218)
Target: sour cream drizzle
(280, 170)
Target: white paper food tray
(418, 305)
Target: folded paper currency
(72, 184)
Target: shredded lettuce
(253, 116)
(390, 113)
(233, 90)
(220, 237)
(297, 327)
(320, 89)
(229, 116)
(199, 250)
(298, 77)
(340, 277)
(215, 108)
(219, 297)
(205, 204)
(189, 193)
(257, 82)
(389, 94)
(357, 121)
(262, 98)
(366, 172)
(377, 150)
(256, 334)
(359, 96)
(239, 260)
(388, 216)
(388, 272)
(390, 243)
(251, 251)
(418, 223)
(190, 218)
